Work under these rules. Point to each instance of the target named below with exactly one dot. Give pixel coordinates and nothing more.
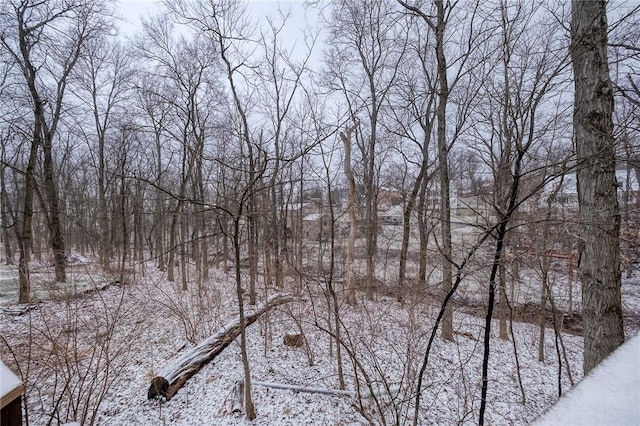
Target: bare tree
(413, 110)
(189, 96)
(103, 83)
(599, 266)
(229, 31)
(280, 82)
(7, 213)
(366, 34)
(439, 22)
(155, 113)
(624, 58)
(351, 207)
(46, 40)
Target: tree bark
(251, 412)
(5, 211)
(159, 213)
(443, 163)
(53, 203)
(599, 268)
(25, 240)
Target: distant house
(473, 208)
(628, 187)
(389, 197)
(316, 226)
(303, 209)
(295, 214)
(433, 199)
(563, 193)
(566, 196)
(392, 216)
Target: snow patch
(609, 395)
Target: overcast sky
(132, 10)
(300, 19)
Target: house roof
(621, 176)
(569, 183)
(10, 385)
(393, 211)
(312, 216)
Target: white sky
(132, 10)
(293, 34)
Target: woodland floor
(106, 345)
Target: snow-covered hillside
(96, 355)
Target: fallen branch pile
(174, 376)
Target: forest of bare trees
(445, 155)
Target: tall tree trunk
(542, 319)
(372, 201)
(103, 217)
(276, 226)
(333, 305)
(252, 242)
(350, 278)
(497, 259)
(423, 230)
(5, 211)
(187, 167)
(172, 244)
(544, 262)
(123, 217)
(503, 174)
(251, 412)
(204, 249)
(204, 240)
(406, 224)
(443, 162)
(503, 303)
(25, 240)
(159, 207)
(184, 247)
(593, 131)
(139, 229)
(53, 205)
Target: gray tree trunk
(350, 279)
(25, 241)
(53, 203)
(599, 268)
(5, 211)
(443, 163)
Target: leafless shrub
(71, 354)
(296, 312)
(197, 310)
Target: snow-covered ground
(81, 277)
(124, 336)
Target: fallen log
(18, 310)
(379, 391)
(174, 376)
(305, 389)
